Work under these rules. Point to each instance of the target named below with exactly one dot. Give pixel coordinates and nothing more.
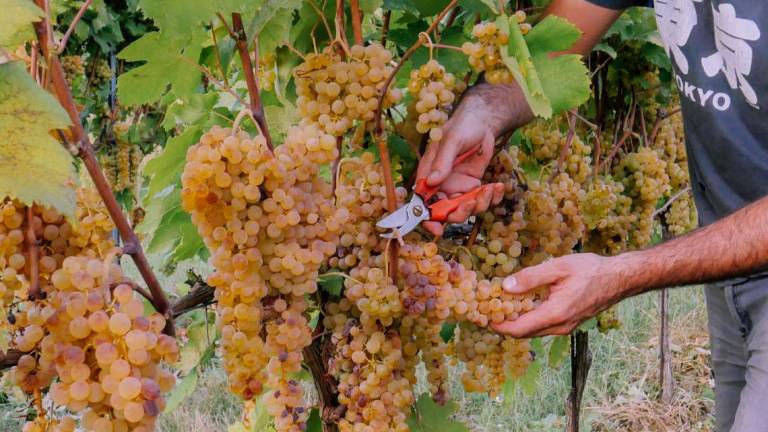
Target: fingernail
(509, 284)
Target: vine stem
(251, 80)
(567, 147)
(357, 28)
(659, 120)
(32, 246)
(672, 199)
(85, 152)
(385, 27)
(75, 20)
(381, 141)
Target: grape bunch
(85, 321)
(267, 73)
(73, 66)
(334, 93)
(433, 90)
(270, 223)
(485, 54)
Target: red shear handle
(440, 210)
(425, 191)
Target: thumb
(532, 277)
(442, 164)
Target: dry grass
(638, 409)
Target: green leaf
(368, 7)
(565, 80)
(428, 8)
(183, 389)
(314, 423)
(165, 169)
(552, 34)
(272, 24)
(332, 284)
(604, 47)
(559, 350)
(280, 120)
(200, 338)
(402, 152)
(428, 416)
(16, 21)
(402, 5)
(197, 110)
(454, 62)
(518, 59)
(169, 61)
(482, 7)
(529, 381)
(446, 331)
(185, 17)
(28, 114)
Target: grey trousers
(738, 326)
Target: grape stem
(628, 122)
(660, 117)
(385, 27)
(32, 250)
(663, 209)
(75, 20)
(84, 150)
(567, 146)
(251, 80)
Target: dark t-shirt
(715, 47)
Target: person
(722, 87)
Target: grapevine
(282, 194)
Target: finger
(435, 228)
(532, 277)
(463, 212)
(484, 199)
(442, 164)
(498, 193)
(425, 163)
(531, 323)
(459, 183)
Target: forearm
(734, 246)
(505, 104)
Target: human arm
(488, 111)
(582, 285)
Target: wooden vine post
(581, 361)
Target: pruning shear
(408, 217)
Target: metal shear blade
(406, 218)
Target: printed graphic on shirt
(676, 20)
(734, 54)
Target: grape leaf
(183, 389)
(272, 23)
(16, 20)
(482, 7)
(552, 34)
(447, 330)
(402, 5)
(559, 350)
(565, 80)
(369, 6)
(28, 114)
(332, 284)
(428, 416)
(314, 423)
(199, 340)
(165, 169)
(169, 61)
(184, 17)
(197, 110)
(518, 60)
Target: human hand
(468, 128)
(581, 286)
